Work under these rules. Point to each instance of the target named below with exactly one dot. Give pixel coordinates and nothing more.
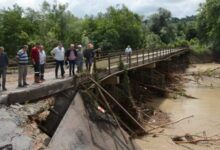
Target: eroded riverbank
(203, 83)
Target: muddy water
(206, 111)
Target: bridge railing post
(157, 54)
(120, 58)
(143, 56)
(137, 57)
(153, 55)
(94, 68)
(109, 64)
(148, 55)
(129, 59)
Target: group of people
(73, 56)
(38, 59)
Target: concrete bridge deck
(15, 94)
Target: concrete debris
(16, 106)
(17, 131)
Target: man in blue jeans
(58, 53)
(3, 67)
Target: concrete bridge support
(62, 102)
(175, 64)
(149, 77)
(114, 80)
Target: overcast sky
(179, 8)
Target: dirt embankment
(201, 58)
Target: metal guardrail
(13, 65)
(110, 61)
(139, 57)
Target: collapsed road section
(72, 121)
(77, 131)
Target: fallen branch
(187, 96)
(113, 114)
(196, 141)
(116, 102)
(167, 90)
(210, 71)
(167, 124)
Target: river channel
(205, 87)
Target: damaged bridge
(77, 120)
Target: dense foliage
(209, 24)
(112, 30)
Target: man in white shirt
(128, 52)
(58, 53)
(42, 55)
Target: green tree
(115, 29)
(209, 24)
(160, 24)
(14, 29)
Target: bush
(198, 48)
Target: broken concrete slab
(76, 131)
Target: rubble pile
(19, 125)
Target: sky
(178, 8)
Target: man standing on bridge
(89, 54)
(42, 55)
(71, 56)
(22, 57)
(128, 52)
(59, 53)
(3, 67)
(35, 56)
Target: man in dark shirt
(35, 57)
(89, 54)
(71, 56)
(3, 67)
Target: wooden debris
(167, 124)
(193, 139)
(196, 141)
